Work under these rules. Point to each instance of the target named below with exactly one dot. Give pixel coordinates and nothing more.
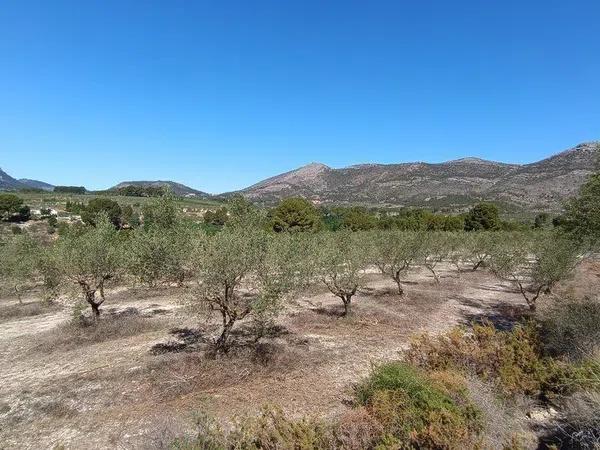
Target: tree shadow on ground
(183, 339)
(328, 311)
(503, 316)
(245, 337)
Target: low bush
(270, 430)
(418, 410)
(512, 360)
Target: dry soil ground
(61, 389)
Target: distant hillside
(176, 188)
(9, 183)
(37, 184)
(453, 184)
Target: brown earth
(115, 392)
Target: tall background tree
(483, 216)
(13, 209)
(295, 214)
(104, 206)
(582, 216)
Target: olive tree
(457, 243)
(394, 252)
(433, 249)
(339, 260)
(534, 263)
(157, 255)
(582, 216)
(479, 247)
(90, 257)
(295, 214)
(18, 262)
(240, 272)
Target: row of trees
(244, 270)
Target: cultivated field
(139, 380)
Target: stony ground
(115, 391)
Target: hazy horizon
(219, 96)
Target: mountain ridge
(454, 184)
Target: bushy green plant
(102, 206)
(242, 272)
(161, 213)
(419, 410)
(159, 255)
(18, 262)
(295, 214)
(483, 216)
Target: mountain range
(9, 183)
(456, 184)
(452, 185)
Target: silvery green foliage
(90, 257)
(534, 262)
(433, 249)
(243, 272)
(19, 262)
(159, 255)
(339, 262)
(394, 252)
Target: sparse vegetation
(239, 274)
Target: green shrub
(418, 410)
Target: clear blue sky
(220, 94)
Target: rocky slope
(454, 184)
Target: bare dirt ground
(116, 392)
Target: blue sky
(220, 94)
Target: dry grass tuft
(72, 334)
(16, 311)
